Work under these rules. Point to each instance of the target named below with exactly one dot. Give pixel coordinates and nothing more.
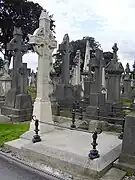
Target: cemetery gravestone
(5, 81)
(33, 84)
(114, 70)
(76, 82)
(18, 104)
(42, 42)
(64, 91)
(128, 145)
(97, 99)
(127, 84)
(86, 75)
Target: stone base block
(92, 112)
(17, 106)
(17, 114)
(43, 112)
(68, 150)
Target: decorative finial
(66, 38)
(127, 70)
(115, 50)
(44, 15)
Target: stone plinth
(17, 106)
(68, 151)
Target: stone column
(42, 42)
(114, 70)
(127, 84)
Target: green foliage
(9, 132)
(32, 91)
(129, 173)
(24, 14)
(126, 102)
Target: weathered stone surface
(69, 150)
(114, 174)
(128, 144)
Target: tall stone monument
(76, 79)
(42, 41)
(86, 74)
(127, 84)
(18, 104)
(64, 90)
(114, 70)
(97, 98)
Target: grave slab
(68, 150)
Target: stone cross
(17, 46)
(51, 49)
(42, 41)
(23, 72)
(32, 84)
(65, 48)
(115, 50)
(114, 69)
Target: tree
(19, 13)
(76, 45)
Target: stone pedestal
(5, 86)
(17, 106)
(43, 111)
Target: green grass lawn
(10, 132)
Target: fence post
(73, 116)
(81, 113)
(93, 154)
(36, 137)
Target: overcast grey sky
(107, 21)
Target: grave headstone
(18, 104)
(64, 90)
(76, 81)
(5, 81)
(86, 75)
(127, 84)
(127, 155)
(42, 42)
(97, 98)
(114, 70)
(33, 79)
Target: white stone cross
(42, 41)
